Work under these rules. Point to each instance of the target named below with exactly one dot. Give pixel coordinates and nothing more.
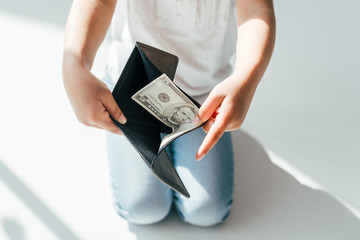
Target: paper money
(168, 104)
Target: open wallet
(143, 129)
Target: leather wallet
(143, 130)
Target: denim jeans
(142, 199)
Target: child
(204, 34)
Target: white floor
(53, 171)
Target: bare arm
(85, 30)
(231, 98)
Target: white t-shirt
(202, 33)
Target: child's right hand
(91, 99)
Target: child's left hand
(225, 109)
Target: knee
(143, 213)
(206, 214)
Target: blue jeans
(142, 199)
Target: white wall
(307, 107)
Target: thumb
(207, 109)
(112, 108)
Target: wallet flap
(164, 169)
(163, 61)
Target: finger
(208, 124)
(210, 105)
(112, 108)
(115, 131)
(94, 125)
(215, 132)
(106, 123)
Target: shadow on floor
(268, 204)
(13, 229)
(38, 207)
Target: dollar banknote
(165, 101)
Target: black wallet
(143, 130)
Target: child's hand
(92, 101)
(225, 109)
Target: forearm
(85, 30)
(90, 98)
(256, 39)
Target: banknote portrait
(168, 104)
(180, 113)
